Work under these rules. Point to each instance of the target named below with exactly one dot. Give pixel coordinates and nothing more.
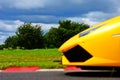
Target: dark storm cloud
(58, 9)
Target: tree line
(30, 36)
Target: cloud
(22, 4)
(29, 4)
(6, 25)
(2, 39)
(92, 18)
(57, 5)
(8, 28)
(83, 20)
(46, 27)
(51, 11)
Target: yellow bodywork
(102, 41)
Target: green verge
(37, 57)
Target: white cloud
(92, 18)
(6, 25)
(8, 28)
(46, 27)
(2, 39)
(82, 20)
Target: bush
(2, 46)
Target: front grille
(77, 54)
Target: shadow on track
(93, 74)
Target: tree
(2, 46)
(66, 29)
(51, 37)
(28, 36)
(11, 42)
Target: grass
(37, 57)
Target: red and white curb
(42, 70)
(59, 70)
(49, 70)
(0, 70)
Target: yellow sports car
(97, 46)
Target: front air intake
(77, 54)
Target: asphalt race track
(59, 75)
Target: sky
(47, 13)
